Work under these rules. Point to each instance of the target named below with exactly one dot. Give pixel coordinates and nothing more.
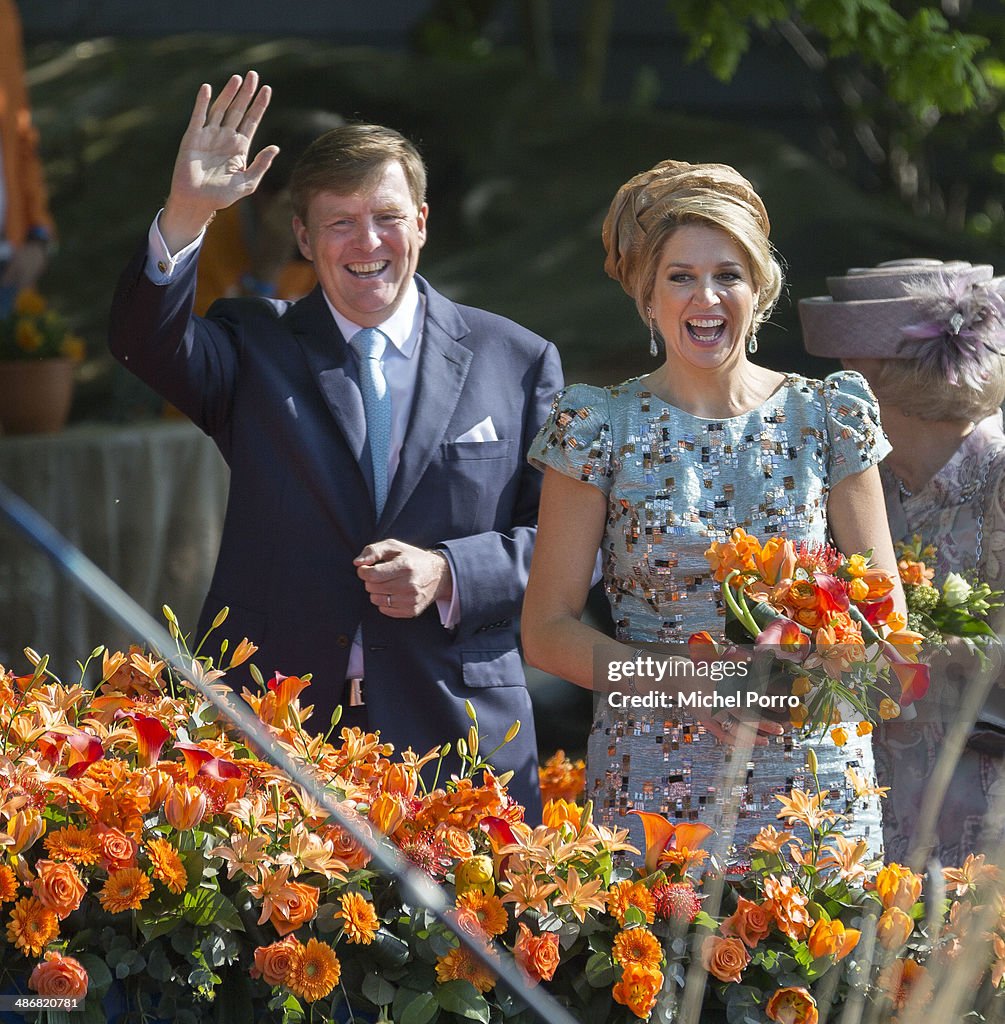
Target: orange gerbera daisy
(8, 884)
(125, 889)
(623, 895)
(460, 964)
(315, 972)
(32, 926)
(477, 912)
(359, 919)
(638, 946)
(77, 845)
(167, 865)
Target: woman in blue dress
(653, 470)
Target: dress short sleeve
(576, 437)
(856, 436)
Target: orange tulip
(897, 886)
(185, 807)
(400, 780)
(387, 812)
(776, 560)
(25, 828)
(894, 928)
(792, 1006)
(831, 938)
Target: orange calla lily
(663, 835)
(150, 738)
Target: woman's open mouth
(706, 330)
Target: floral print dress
(944, 513)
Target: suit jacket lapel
(443, 369)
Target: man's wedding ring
(388, 600)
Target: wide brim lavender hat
(949, 314)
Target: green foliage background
(522, 170)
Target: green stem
(738, 605)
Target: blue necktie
(369, 345)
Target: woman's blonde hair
(650, 207)
(923, 390)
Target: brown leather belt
(354, 693)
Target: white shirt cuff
(161, 265)
(450, 611)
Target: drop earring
(752, 343)
(653, 347)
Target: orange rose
(638, 989)
(297, 905)
(894, 928)
(537, 955)
(792, 1006)
(749, 923)
(725, 959)
(58, 887)
(801, 594)
(273, 962)
(897, 886)
(346, 847)
(831, 938)
(457, 842)
(117, 850)
(59, 976)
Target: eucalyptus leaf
(462, 998)
(378, 989)
(411, 1007)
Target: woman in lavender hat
(929, 338)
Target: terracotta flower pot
(35, 395)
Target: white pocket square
(484, 431)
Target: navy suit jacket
(273, 384)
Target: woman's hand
(736, 732)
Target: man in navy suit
(394, 578)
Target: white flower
(955, 590)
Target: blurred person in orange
(26, 226)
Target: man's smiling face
(365, 247)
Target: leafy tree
(891, 72)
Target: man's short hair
(351, 159)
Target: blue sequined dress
(675, 483)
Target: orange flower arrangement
(130, 811)
(828, 622)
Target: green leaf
(462, 998)
(378, 989)
(208, 906)
(599, 970)
(99, 978)
(421, 1008)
